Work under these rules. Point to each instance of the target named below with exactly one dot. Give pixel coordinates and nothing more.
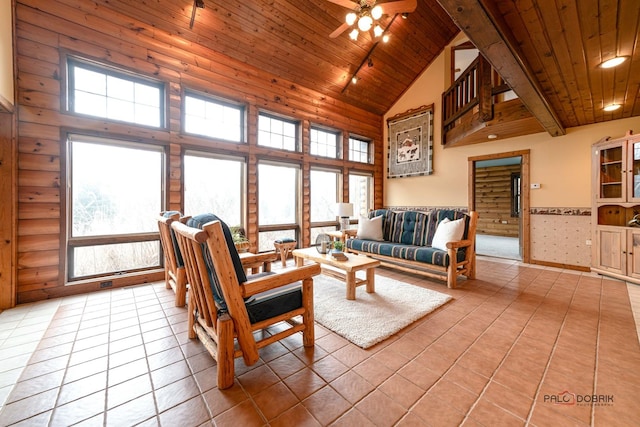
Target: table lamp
(345, 210)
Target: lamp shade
(344, 209)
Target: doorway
(499, 192)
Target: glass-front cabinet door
(611, 175)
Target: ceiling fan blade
(341, 29)
(344, 3)
(401, 6)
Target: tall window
(207, 116)
(214, 184)
(361, 194)
(323, 143)
(115, 192)
(515, 194)
(277, 133)
(278, 195)
(324, 196)
(360, 150)
(105, 92)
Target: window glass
(277, 133)
(104, 92)
(324, 195)
(359, 150)
(278, 195)
(216, 119)
(115, 189)
(323, 143)
(278, 190)
(214, 185)
(361, 194)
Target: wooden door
(633, 253)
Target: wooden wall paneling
(8, 241)
(493, 201)
(38, 210)
(38, 226)
(36, 278)
(46, 35)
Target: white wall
(562, 165)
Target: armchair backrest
(172, 254)
(214, 273)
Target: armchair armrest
(247, 258)
(349, 233)
(280, 278)
(458, 244)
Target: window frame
(213, 99)
(294, 226)
(370, 190)
(339, 181)
(336, 133)
(361, 139)
(294, 122)
(72, 61)
(70, 243)
(516, 196)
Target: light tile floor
(508, 350)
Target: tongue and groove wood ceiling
(554, 48)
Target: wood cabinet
(616, 200)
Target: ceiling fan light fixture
(613, 62)
(351, 18)
(377, 30)
(376, 12)
(365, 23)
(353, 35)
(611, 107)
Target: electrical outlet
(588, 242)
(106, 284)
(535, 186)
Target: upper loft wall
(6, 57)
(562, 165)
(48, 30)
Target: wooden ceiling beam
(487, 31)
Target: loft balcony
(479, 107)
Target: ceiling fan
(365, 15)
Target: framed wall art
(410, 149)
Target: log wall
(49, 30)
(493, 201)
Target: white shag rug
(371, 318)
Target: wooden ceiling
(547, 50)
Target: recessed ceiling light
(611, 107)
(613, 62)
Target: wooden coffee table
(342, 270)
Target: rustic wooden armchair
(174, 273)
(226, 308)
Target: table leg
(371, 280)
(351, 285)
(266, 266)
(299, 261)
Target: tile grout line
(515, 341)
(24, 365)
(553, 350)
